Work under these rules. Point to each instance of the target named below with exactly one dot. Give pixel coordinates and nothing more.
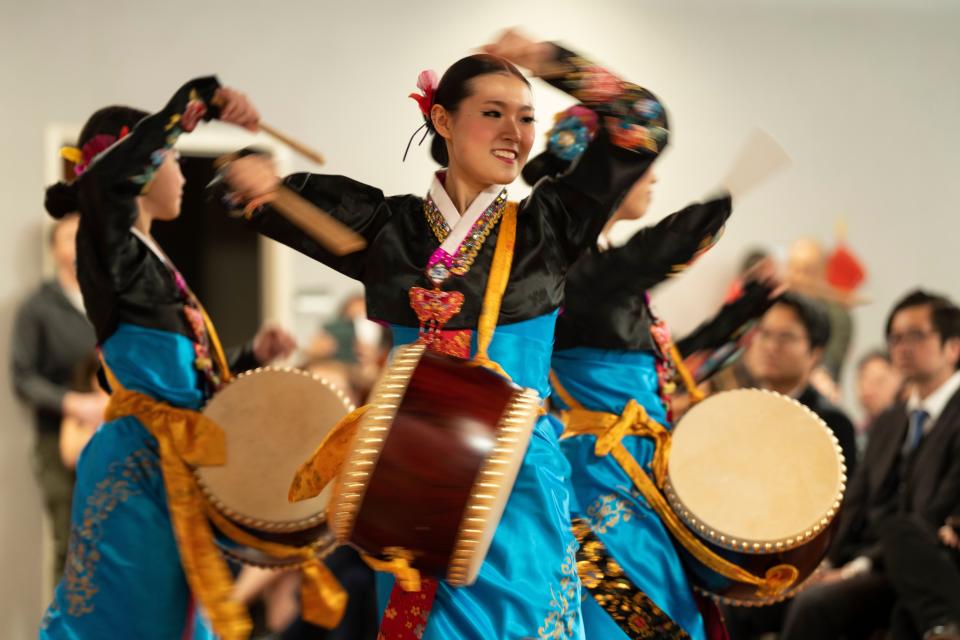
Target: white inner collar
(460, 225)
(936, 402)
(152, 245)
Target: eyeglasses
(909, 338)
(780, 339)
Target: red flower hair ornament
(427, 82)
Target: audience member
(879, 385)
(51, 336)
(908, 482)
(806, 275)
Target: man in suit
(923, 566)
(910, 473)
(788, 347)
(51, 339)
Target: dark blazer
(838, 422)
(930, 484)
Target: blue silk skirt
(606, 497)
(123, 577)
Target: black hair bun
(61, 199)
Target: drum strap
(695, 392)
(496, 287)
(629, 607)
(610, 429)
(325, 463)
(671, 361)
(188, 438)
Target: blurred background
(863, 94)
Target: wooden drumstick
(296, 145)
(329, 232)
(336, 237)
(300, 148)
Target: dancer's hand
(252, 177)
(948, 536)
(86, 408)
(272, 342)
(521, 50)
(765, 272)
(825, 576)
(236, 108)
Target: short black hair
(812, 316)
(871, 355)
(944, 314)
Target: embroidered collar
(461, 237)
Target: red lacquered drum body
(433, 463)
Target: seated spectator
(806, 275)
(879, 385)
(923, 565)
(786, 350)
(905, 488)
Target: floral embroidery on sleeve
(633, 116)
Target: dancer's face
(637, 201)
(165, 194)
(490, 133)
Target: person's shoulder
(890, 419)
(404, 201)
(39, 297)
(951, 412)
(823, 407)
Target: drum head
(753, 468)
(274, 419)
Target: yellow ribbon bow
(188, 438)
(610, 429)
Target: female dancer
(613, 357)
(139, 554)
(482, 118)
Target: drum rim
(374, 427)
(759, 602)
(514, 431)
(285, 526)
(725, 540)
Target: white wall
(864, 95)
